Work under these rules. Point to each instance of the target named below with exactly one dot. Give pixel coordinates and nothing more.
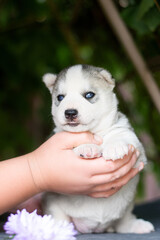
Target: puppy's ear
(49, 80)
(108, 77)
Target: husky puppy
(83, 100)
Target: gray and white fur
(83, 100)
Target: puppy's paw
(115, 150)
(140, 226)
(88, 151)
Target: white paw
(88, 151)
(141, 226)
(114, 151)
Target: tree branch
(126, 40)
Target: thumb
(70, 140)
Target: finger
(119, 182)
(106, 190)
(125, 179)
(105, 194)
(114, 165)
(101, 166)
(125, 168)
(71, 140)
(110, 177)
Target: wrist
(35, 171)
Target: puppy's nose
(71, 114)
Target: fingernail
(141, 166)
(137, 153)
(97, 138)
(131, 148)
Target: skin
(55, 167)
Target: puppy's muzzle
(71, 114)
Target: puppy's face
(81, 96)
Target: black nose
(71, 114)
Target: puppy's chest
(102, 210)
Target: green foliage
(144, 18)
(144, 7)
(39, 36)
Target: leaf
(144, 7)
(152, 19)
(144, 25)
(129, 15)
(4, 17)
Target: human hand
(55, 168)
(120, 172)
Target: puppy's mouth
(72, 124)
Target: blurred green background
(40, 36)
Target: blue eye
(60, 97)
(89, 95)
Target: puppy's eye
(60, 97)
(89, 95)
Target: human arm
(16, 182)
(54, 167)
(21, 178)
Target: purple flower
(30, 226)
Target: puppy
(83, 100)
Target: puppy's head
(81, 96)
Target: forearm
(17, 183)
(45, 170)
